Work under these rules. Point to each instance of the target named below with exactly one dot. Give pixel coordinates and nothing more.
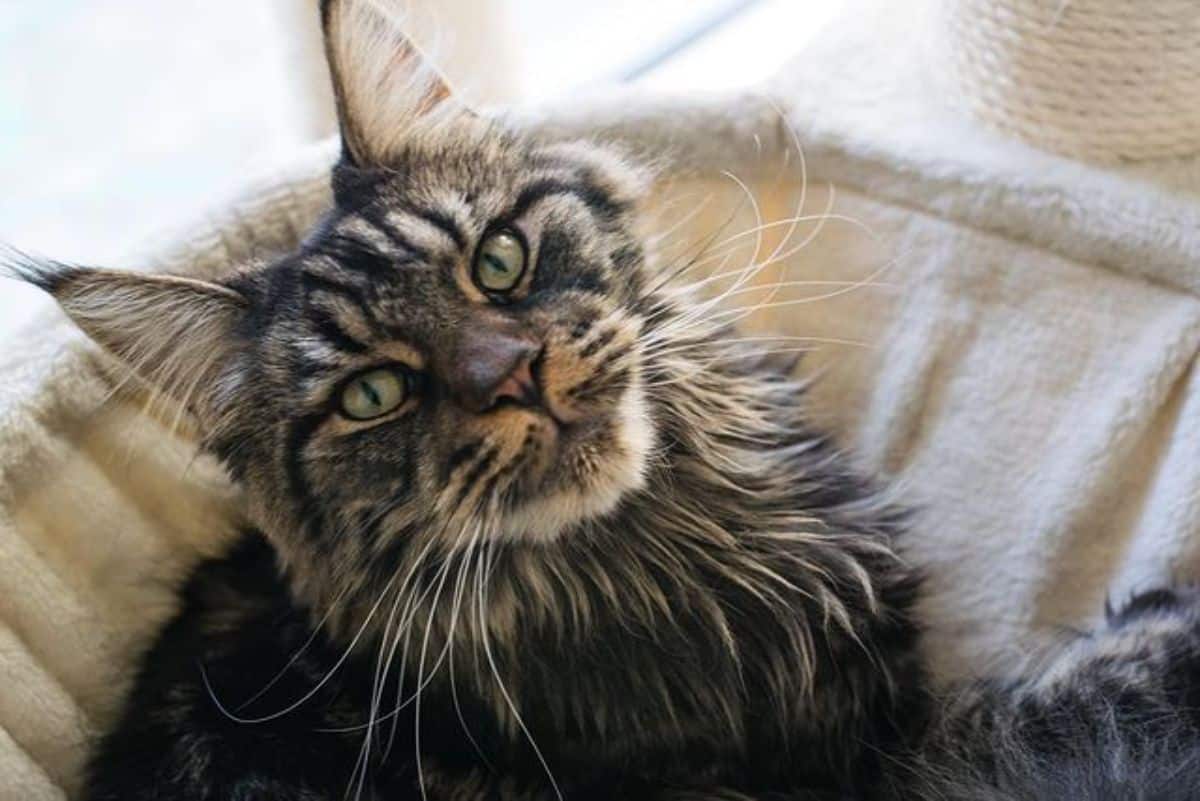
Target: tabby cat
(527, 523)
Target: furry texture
(652, 581)
(1113, 715)
(656, 583)
(995, 354)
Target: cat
(526, 521)
(1113, 716)
(529, 522)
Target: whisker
(824, 217)
(296, 656)
(472, 560)
(687, 263)
(753, 269)
(491, 659)
(418, 756)
(325, 680)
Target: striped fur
(1113, 716)
(658, 584)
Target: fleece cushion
(1007, 335)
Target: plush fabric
(1007, 334)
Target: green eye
(374, 394)
(500, 262)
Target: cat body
(528, 520)
(239, 696)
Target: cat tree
(1015, 220)
(1103, 80)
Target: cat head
(453, 353)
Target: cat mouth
(581, 452)
(584, 468)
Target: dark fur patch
(1114, 718)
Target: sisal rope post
(1103, 80)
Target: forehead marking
(327, 325)
(312, 283)
(370, 235)
(350, 253)
(596, 199)
(400, 216)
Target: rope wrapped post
(1103, 80)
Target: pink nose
(489, 366)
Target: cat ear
(175, 333)
(381, 81)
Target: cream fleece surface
(1009, 335)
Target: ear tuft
(382, 82)
(45, 274)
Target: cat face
(458, 343)
(453, 354)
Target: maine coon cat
(526, 523)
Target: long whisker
(803, 195)
(405, 618)
(456, 601)
(316, 688)
(418, 756)
(730, 317)
(753, 269)
(686, 263)
(820, 218)
(742, 312)
(474, 559)
(316, 632)
(724, 355)
(671, 335)
(491, 659)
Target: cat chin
(544, 519)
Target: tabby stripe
(375, 218)
(443, 222)
(370, 530)
(591, 348)
(307, 368)
(393, 549)
(509, 469)
(557, 250)
(459, 457)
(337, 336)
(599, 376)
(626, 256)
(354, 254)
(582, 387)
(481, 467)
(313, 283)
(591, 196)
(588, 390)
(298, 436)
(581, 328)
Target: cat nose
(490, 366)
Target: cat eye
(374, 393)
(500, 262)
